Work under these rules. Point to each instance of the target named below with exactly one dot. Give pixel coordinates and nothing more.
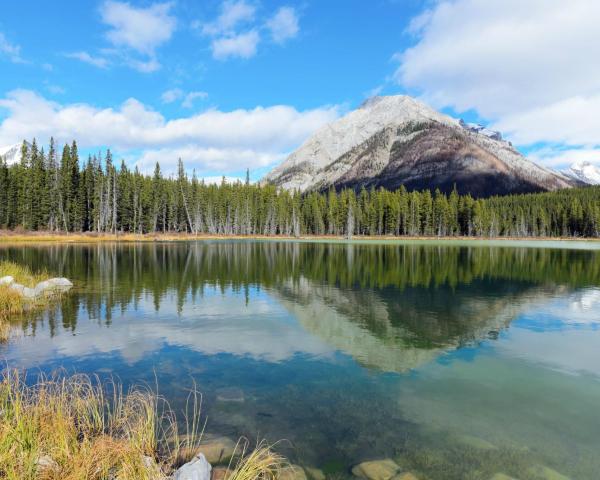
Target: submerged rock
(217, 449)
(476, 442)
(404, 476)
(230, 394)
(7, 280)
(196, 469)
(293, 472)
(315, 473)
(221, 473)
(545, 473)
(376, 469)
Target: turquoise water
(458, 361)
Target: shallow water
(459, 361)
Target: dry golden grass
(21, 274)
(16, 237)
(260, 463)
(76, 428)
(11, 302)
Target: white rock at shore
(53, 284)
(196, 469)
(17, 287)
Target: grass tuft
(260, 463)
(76, 427)
(11, 302)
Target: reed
(262, 463)
(77, 427)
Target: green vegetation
(43, 193)
(75, 428)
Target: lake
(457, 360)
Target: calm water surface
(457, 361)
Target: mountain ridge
(397, 140)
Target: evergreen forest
(57, 191)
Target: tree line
(58, 192)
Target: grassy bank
(11, 302)
(76, 428)
(10, 237)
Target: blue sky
(230, 85)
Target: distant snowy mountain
(12, 153)
(397, 140)
(584, 172)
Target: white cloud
(233, 13)
(188, 101)
(574, 121)
(283, 25)
(209, 141)
(12, 51)
(144, 66)
(85, 57)
(529, 66)
(237, 33)
(141, 29)
(243, 46)
(55, 89)
(136, 33)
(171, 95)
(559, 158)
(174, 94)
(211, 159)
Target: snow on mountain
(478, 128)
(397, 140)
(585, 172)
(12, 153)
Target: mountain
(397, 140)
(12, 153)
(585, 172)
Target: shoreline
(7, 236)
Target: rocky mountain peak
(397, 140)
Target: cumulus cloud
(169, 96)
(283, 25)
(242, 46)
(140, 29)
(10, 50)
(188, 101)
(236, 32)
(527, 66)
(85, 57)
(233, 13)
(134, 34)
(175, 94)
(208, 141)
(557, 157)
